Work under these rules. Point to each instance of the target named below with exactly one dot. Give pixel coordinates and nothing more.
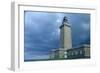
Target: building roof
(74, 48)
(78, 47)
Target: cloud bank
(42, 32)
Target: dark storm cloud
(42, 31)
(80, 28)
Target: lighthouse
(65, 35)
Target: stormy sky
(42, 33)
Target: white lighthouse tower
(65, 34)
(65, 40)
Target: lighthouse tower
(65, 38)
(65, 35)
(65, 41)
